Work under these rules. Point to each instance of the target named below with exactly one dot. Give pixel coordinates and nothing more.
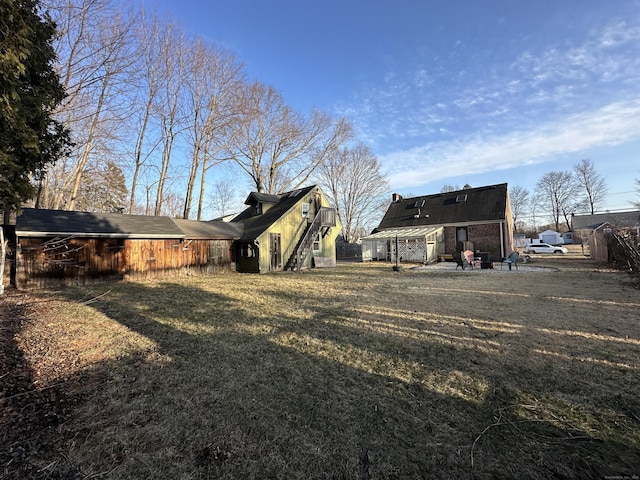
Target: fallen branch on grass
(95, 299)
(549, 439)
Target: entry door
(274, 252)
(431, 252)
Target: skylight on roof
(461, 198)
(294, 193)
(418, 204)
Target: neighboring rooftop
(619, 219)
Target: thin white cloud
(613, 124)
(537, 106)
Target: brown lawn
(356, 372)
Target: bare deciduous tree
(637, 203)
(593, 185)
(213, 77)
(558, 192)
(277, 147)
(169, 107)
(149, 45)
(94, 54)
(222, 197)
(519, 197)
(355, 185)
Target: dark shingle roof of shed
(211, 230)
(481, 204)
(262, 197)
(40, 222)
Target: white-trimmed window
(317, 243)
(305, 210)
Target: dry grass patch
(356, 372)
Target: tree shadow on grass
(232, 393)
(29, 414)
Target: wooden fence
(616, 246)
(52, 262)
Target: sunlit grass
(357, 372)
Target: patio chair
(512, 259)
(471, 259)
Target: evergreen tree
(30, 90)
(104, 189)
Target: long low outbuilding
(57, 247)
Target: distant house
(291, 230)
(596, 229)
(585, 224)
(431, 226)
(551, 237)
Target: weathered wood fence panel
(598, 247)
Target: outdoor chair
(471, 259)
(512, 259)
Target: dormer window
(257, 208)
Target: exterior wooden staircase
(324, 219)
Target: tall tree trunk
(87, 148)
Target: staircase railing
(326, 217)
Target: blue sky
(456, 92)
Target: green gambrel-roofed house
(291, 230)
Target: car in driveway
(544, 248)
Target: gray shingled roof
(619, 219)
(481, 204)
(262, 197)
(211, 230)
(255, 225)
(39, 222)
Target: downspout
(257, 250)
(501, 240)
